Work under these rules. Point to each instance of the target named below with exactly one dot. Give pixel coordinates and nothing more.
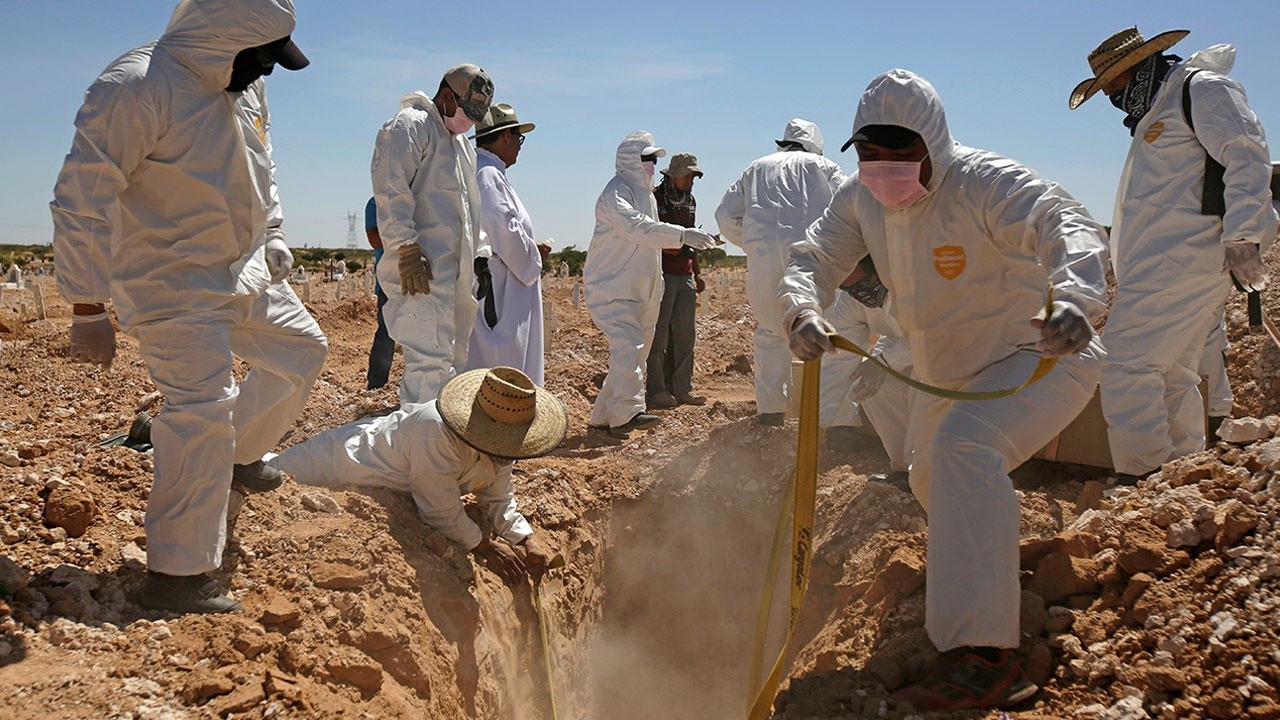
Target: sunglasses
(649, 158)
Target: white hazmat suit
(763, 212)
(967, 265)
(889, 409)
(164, 205)
(412, 450)
(622, 279)
(1168, 257)
(516, 266)
(424, 183)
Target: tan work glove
(415, 271)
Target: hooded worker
(1174, 252)
(967, 242)
(167, 206)
(763, 212)
(622, 280)
(424, 186)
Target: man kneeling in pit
(465, 441)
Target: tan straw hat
(1119, 53)
(500, 411)
(501, 117)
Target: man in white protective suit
(424, 184)
(849, 382)
(1174, 252)
(508, 327)
(763, 212)
(167, 206)
(968, 243)
(622, 280)
(464, 442)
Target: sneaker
(639, 421)
(184, 594)
(966, 680)
(690, 399)
(661, 401)
(771, 419)
(257, 476)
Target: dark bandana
(1136, 98)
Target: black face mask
(869, 291)
(249, 65)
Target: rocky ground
(1155, 601)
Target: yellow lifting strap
(800, 502)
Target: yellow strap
(802, 495)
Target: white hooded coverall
(967, 266)
(412, 450)
(424, 183)
(889, 409)
(622, 280)
(516, 266)
(763, 212)
(1168, 257)
(163, 206)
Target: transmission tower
(351, 231)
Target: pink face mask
(458, 123)
(648, 167)
(895, 184)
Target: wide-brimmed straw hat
(1117, 54)
(501, 117)
(500, 411)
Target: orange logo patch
(1153, 132)
(949, 261)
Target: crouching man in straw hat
(465, 441)
(1175, 252)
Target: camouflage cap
(473, 88)
(681, 165)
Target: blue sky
(719, 80)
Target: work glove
(1066, 330)
(544, 253)
(809, 336)
(699, 284)
(867, 379)
(484, 291)
(500, 558)
(415, 271)
(697, 239)
(1244, 262)
(279, 259)
(93, 339)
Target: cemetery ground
(1158, 600)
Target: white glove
(697, 239)
(279, 259)
(93, 339)
(1244, 262)
(1066, 331)
(867, 379)
(809, 336)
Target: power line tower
(351, 231)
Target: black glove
(484, 291)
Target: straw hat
(1119, 53)
(501, 117)
(501, 412)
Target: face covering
(1136, 98)
(648, 167)
(249, 65)
(895, 184)
(458, 123)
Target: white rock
(320, 502)
(1244, 430)
(1182, 534)
(133, 557)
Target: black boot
(257, 476)
(184, 594)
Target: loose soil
(1158, 600)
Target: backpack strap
(1213, 200)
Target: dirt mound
(1158, 600)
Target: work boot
(690, 399)
(660, 401)
(771, 419)
(971, 679)
(897, 478)
(639, 421)
(184, 594)
(1215, 422)
(257, 476)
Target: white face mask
(648, 167)
(458, 123)
(896, 184)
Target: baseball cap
(473, 88)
